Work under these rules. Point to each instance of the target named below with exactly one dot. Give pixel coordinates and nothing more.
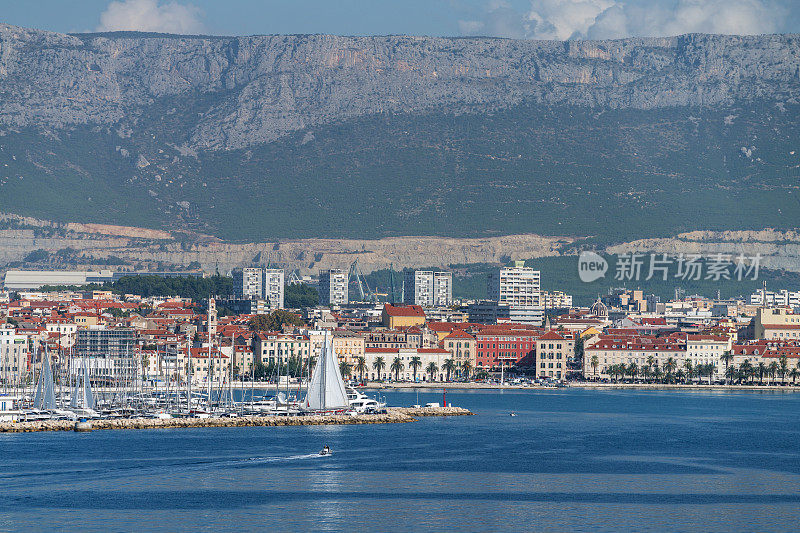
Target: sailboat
(45, 397)
(82, 403)
(326, 392)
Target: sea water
(571, 460)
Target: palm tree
(633, 371)
(415, 363)
(689, 370)
(762, 369)
(657, 373)
(397, 367)
(594, 362)
(449, 366)
(708, 370)
(773, 370)
(378, 365)
(345, 368)
(784, 367)
(730, 373)
(669, 367)
(794, 374)
(619, 370)
(361, 367)
(432, 369)
(466, 367)
(727, 358)
(747, 369)
(646, 372)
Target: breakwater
(395, 415)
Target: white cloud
(150, 15)
(564, 19)
(609, 19)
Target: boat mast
(210, 373)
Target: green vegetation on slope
(197, 289)
(614, 175)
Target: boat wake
(256, 460)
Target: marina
(326, 401)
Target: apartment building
(259, 284)
(462, 347)
(504, 347)
(428, 288)
(13, 356)
(776, 298)
(273, 283)
(272, 347)
(553, 351)
(778, 323)
(556, 300)
(519, 287)
(248, 283)
(602, 352)
(333, 289)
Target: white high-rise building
(428, 288)
(13, 356)
(519, 287)
(248, 283)
(333, 287)
(776, 299)
(273, 287)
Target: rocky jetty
(396, 415)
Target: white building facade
(248, 282)
(519, 287)
(273, 284)
(428, 288)
(333, 287)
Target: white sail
(45, 397)
(326, 390)
(82, 397)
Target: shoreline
(580, 385)
(396, 415)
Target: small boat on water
(513, 413)
(325, 451)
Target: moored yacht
(362, 403)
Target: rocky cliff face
(243, 91)
(276, 138)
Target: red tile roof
(551, 336)
(459, 334)
(404, 310)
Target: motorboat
(325, 451)
(361, 403)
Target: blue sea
(572, 460)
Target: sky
(523, 19)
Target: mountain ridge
(272, 137)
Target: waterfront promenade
(584, 385)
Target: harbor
(327, 401)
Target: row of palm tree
(670, 373)
(451, 367)
(748, 373)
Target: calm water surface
(571, 460)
